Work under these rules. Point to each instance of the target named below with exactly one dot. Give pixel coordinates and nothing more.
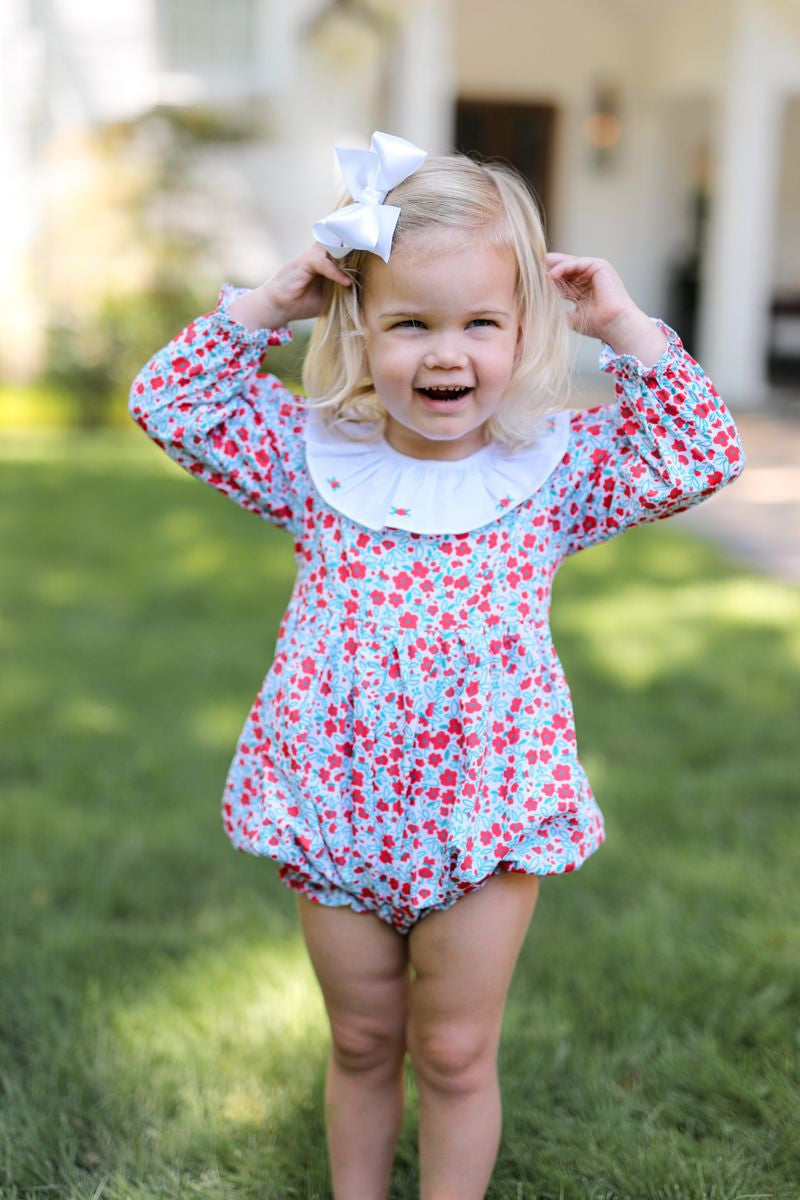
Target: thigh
(361, 964)
(464, 958)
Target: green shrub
(91, 366)
(94, 363)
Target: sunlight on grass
(92, 716)
(31, 407)
(179, 527)
(635, 641)
(45, 447)
(198, 554)
(60, 585)
(759, 603)
(126, 448)
(162, 1034)
(756, 602)
(628, 637)
(218, 1038)
(596, 768)
(240, 996)
(199, 560)
(217, 724)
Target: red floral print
(414, 734)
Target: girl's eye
(411, 323)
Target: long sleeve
(664, 445)
(202, 400)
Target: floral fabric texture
(414, 734)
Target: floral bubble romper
(414, 734)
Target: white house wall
(786, 253)
(103, 58)
(763, 70)
(338, 87)
(79, 62)
(557, 51)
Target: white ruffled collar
(377, 486)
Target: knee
(363, 1045)
(456, 1058)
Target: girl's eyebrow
(471, 312)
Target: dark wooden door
(522, 134)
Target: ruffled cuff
(628, 366)
(252, 338)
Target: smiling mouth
(443, 393)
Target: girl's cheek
(395, 366)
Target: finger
(337, 275)
(316, 261)
(329, 266)
(334, 271)
(572, 261)
(576, 266)
(564, 267)
(588, 264)
(564, 271)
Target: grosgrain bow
(369, 224)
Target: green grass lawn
(161, 1031)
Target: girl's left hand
(602, 306)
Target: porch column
(737, 269)
(420, 94)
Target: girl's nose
(446, 351)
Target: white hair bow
(369, 224)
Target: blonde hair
(453, 192)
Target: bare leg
(362, 967)
(464, 958)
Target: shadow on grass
(162, 1031)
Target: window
(209, 42)
(520, 133)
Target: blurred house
(664, 137)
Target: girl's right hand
(295, 291)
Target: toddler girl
(410, 762)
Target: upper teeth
(443, 388)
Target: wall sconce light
(603, 127)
